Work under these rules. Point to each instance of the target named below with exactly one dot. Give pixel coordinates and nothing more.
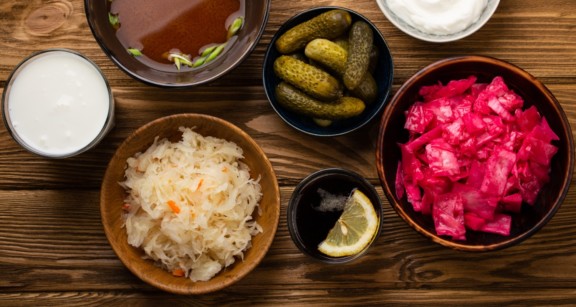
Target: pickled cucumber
(296, 101)
(334, 57)
(311, 80)
(342, 41)
(373, 63)
(299, 56)
(330, 24)
(360, 41)
(322, 122)
(327, 53)
(367, 90)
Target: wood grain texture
(53, 250)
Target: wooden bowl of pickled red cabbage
(114, 199)
(475, 153)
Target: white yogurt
(58, 104)
(438, 17)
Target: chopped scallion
(134, 52)
(199, 62)
(235, 26)
(208, 50)
(177, 63)
(114, 20)
(180, 59)
(215, 53)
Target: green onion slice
(114, 20)
(235, 26)
(134, 52)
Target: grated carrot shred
(199, 184)
(173, 206)
(126, 207)
(178, 272)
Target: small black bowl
(308, 227)
(383, 75)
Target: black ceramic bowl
(308, 226)
(256, 16)
(383, 75)
(392, 132)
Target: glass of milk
(57, 104)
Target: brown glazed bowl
(256, 16)
(112, 197)
(392, 132)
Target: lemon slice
(354, 230)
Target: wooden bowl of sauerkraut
(190, 203)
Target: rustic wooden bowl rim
(390, 195)
(137, 267)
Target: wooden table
(53, 250)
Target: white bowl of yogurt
(57, 104)
(438, 21)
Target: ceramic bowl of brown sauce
(182, 43)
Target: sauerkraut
(190, 204)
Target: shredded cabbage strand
(213, 193)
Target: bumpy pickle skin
(332, 56)
(329, 25)
(360, 42)
(311, 80)
(298, 102)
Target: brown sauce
(157, 28)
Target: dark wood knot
(49, 17)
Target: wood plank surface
(53, 250)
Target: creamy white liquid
(58, 103)
(439, 17)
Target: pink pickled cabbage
(474, 156)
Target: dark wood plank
(275, 297)
(56, 236)
(53, 250)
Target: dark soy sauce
(157, 28)
(308, 226)
(313, 225)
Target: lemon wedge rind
(354, 230)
